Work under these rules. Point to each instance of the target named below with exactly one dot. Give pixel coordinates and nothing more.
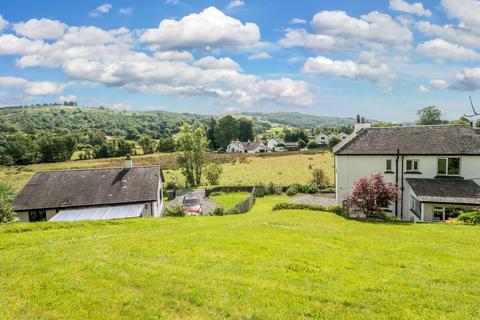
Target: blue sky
(382, 59)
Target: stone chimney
(360, 126)
(128, 162)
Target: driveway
(207, 205)
(324, 199)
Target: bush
(470, 217)
(313, 189)
(292, 190)
(213, 173)
(261, 190)
(6, 212)
(219, 211)
(300, 206)
(319, 177)
(273, 190)
(312, 145)
(175, 211)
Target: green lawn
(259, 265)
(229, 200)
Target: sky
(381, 59)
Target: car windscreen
(191, 202)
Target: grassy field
(239, 169)
(229, 200)
(259, 265)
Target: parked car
(191, 204)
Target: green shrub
(175, 211)
(213, 172)
(312, 189)
(337, 209)
(261, 190)
(298, 206)
(291, 191)
(219, 211)
(6, 212)
(470, 217)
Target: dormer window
(448, 166)
(412, 165)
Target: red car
(191, 204)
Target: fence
(241, 207)
(228, 189)
(247, 204)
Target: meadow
(287, 264)
(238, 169)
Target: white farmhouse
(91, 194)
(322, 139)
(246, 147)
(342, 135)
(437, 168)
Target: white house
(322, 139)
(92, 194)
(342, 135)
(437, 168)
(272, 145)
(246, 147)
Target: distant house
(437, 168)
(292, 146)
(273, 145)
(246, 147)
(342, 135)
(91, 194)
(322, 139)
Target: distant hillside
(300, 120)
(80, 120)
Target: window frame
(415, 205)
(447, 160)
(414, 162)
(388, 165)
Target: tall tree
(211, 133)
(192, 144)
(430, 115)
(245, 127)
(147, 144)
(227, 130)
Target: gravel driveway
(324, 199)
(207, 205)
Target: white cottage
(91, 194)
(322, 139)
(437, 168)
(246, 147)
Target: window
(448, 166)
(415, 205)
(412, 165)
(37, 215)
(388, 165)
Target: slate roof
(413, 140)
(454, 191)
(252, 145)
(90, 187)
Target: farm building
(91, 194)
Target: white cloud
(69, 98)
(235, 4)
(104, 8)
(173, 55)
(40, 29)
(373, 28)
(10, 44)
(207, 29)
(440, 50)
(3, 22)
(35, 88)
(467, 11)
(259, 56)
(126, 11)
(455, 34)
(439, 84)
(415, 8)
(375, 72)
(214, 63)
(423, 89)
(298, 21)
(467, 80)
(172, 1)
(317, 42)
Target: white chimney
(360, 126)
(128, 162)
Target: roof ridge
(349, 141)
(92, 169)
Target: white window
(413, 165)
(415, 205)
(448, 166)
(388, 165)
